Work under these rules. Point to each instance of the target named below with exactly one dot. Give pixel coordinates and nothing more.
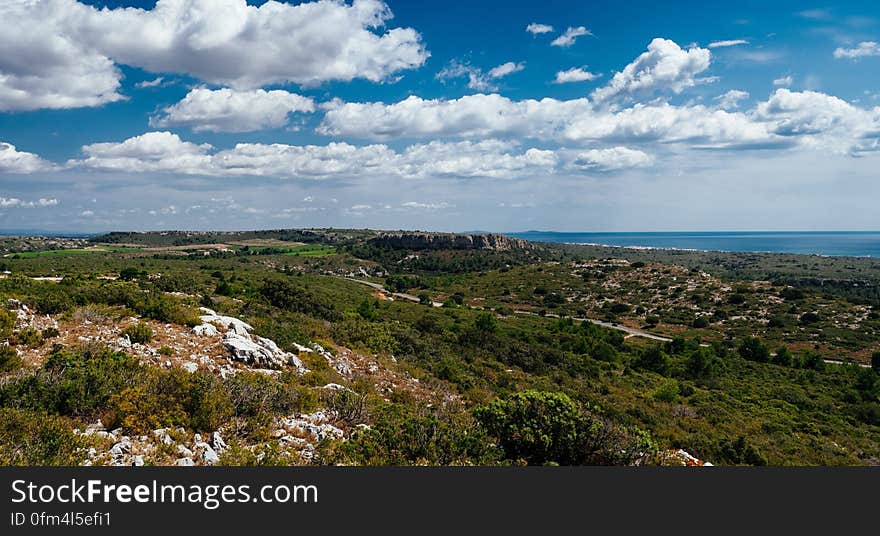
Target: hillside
(367, 347)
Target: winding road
(630, 331)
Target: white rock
(205, 330)
(184, 462)
(217, 442)
(209, 456)
(120, 448)
(190, 367)
(138, 461)
(184, 452)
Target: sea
(831, 243)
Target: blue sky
(603, 116)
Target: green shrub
(541, 427)
(33, 438)
(139, 333)
(28, 336)
(9, 359)
(405, 436)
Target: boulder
(217, 442)
(205, 330)
(184, 462)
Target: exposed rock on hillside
(415, 240)
(246, 347)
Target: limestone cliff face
(414, 240)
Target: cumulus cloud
(167, 153)
(477, 79)
(730, 100)
(12, 202)
(477, 115)
(229, 110)
(785, 81)
(612, 159)
(862, 50)
(505, 69)
(536, 28)
(15, 161)
(575, 74)
(727, 43)
(570, 36)
(45, 65)
(664, 66)
(63, 54)
(665, 123)
(821, 120)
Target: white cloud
(665, 65)
(89, 213)
(43, 65)
(575, 74)
(62, 53)
(14, 202)
(785, 81)
(487, 158)
(730, 100)
(862, 50)
(426, 206)
(821, 120)
(694, 125)
(477, 79)
(537, 28)
(612, 159)
(505, 69)
(568, 38)
(156, 82)
(15, 161)
(166, 153)
(477, 115)
(229, 110)
(727, 43)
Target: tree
(703, 364)
(425, 299)
(653, 359)
(783, 357)
(752, 349)
(369, 309)
(486, 323)
(875, 362)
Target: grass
(71, 252)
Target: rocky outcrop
(415, 240)
(247, 347)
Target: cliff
(415, 240)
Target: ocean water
(838, 243)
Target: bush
(701, 322)
(541, 427)
(654, 359)
(35, 439)
(29, 337)
(404, 436)
(9, 359)
(783, 357)
(753, 350)
(75, 383)
(140, 333)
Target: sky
(439, 115)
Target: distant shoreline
(856, 244)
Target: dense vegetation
(537, 388)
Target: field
(465, 356)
